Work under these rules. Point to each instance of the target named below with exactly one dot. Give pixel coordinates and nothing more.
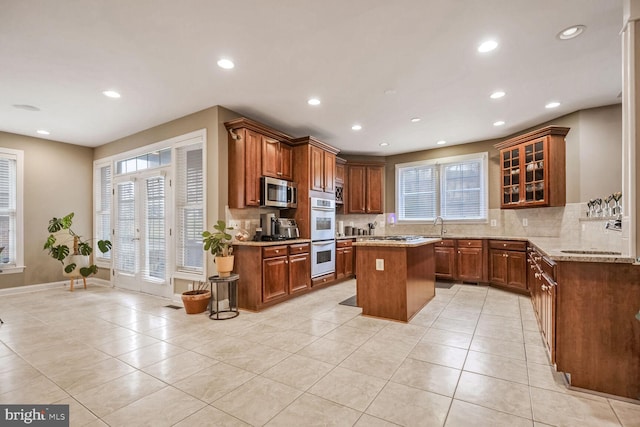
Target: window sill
(183, 275)
(14, 269)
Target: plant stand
(232, 292)
(72, 279)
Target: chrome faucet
(435, 222)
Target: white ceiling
(161, 55)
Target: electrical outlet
(190, 287)
(494, 223)
(247, 225)
(380, 264)
(525, 223)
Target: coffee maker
(268, 223)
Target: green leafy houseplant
(58, 249)
(218, 242)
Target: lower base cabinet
(344, 259)
(542, 284)
(508, 264)
(271, 274)
(460, 259)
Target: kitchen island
(396, 275)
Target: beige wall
(212, 119)
(58, 180)
(594, 150)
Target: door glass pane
(126, 228)
(155, 251)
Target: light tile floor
(473, 356)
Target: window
(454, 188)
(11, 225)
(189, 208)
(103, 196)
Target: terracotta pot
(196, 301)
(224, 264)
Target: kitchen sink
(589, 252)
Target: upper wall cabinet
(277, 159)
(255, 150)
(533, 170)
(365, 188)
(315, 165)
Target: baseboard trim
(53, 285)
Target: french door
(141, 232)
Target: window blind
(463, 191)
(189, 195)
(417, 193)
(125, 255)
(155, 230)
(8, 220)
(103, 209)
(454, 188)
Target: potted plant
(76, 263)
(196, 300)
(219, 244)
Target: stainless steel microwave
(278, 193)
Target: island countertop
(417, 241)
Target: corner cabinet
(365, 188)
(255, 150)
(533, 169)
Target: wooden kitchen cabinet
(271, 274)
(253, 150)
(344, 259)
(445, 259)
(323, 170)
(365, 188)
(543, 285)
(341, 176)
(277, 159)
(470, 260)
(508, 264)
(533, 169)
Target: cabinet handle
(278, 173)
(544, 287)
(537, 275)
(504, 244)
(459, 252)
(277, 251)
(469, 243)
(286, 261)
(532, 266)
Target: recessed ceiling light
(227, 64)
(498, 123)
(553, 104)
(26, 107)
(415, 119)
(497, 94)
(111, 94)
(390, 92)
(313, 101)
(571, 32)
(384, 144)
(43, 132)
(441, 142)
(356, 127)
(487, 46)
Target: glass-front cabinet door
(533, 170)
(534, 165)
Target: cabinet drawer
(464, 243)
(344, 243)
(273, 251)
(508, 245)
(299, 248)
(549, 268)
(446, 242)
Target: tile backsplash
(568, 223)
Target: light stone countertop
(366, 241)
(270, 242)
(549, 246)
